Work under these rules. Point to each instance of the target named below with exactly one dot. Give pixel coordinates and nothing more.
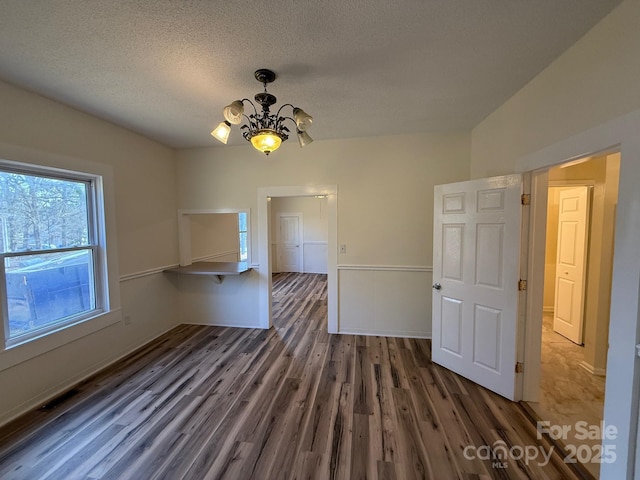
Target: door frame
(278, 262)
(532, 345)
(265, 252)
(622, 391)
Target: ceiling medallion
(264, 130)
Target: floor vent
(60, 399)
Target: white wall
(385, 212)
(314, 229)
(585, 102)
(388, 302)
(232, 303)
(145, 208)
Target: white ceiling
(166, 68)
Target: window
(52, 260)
(242, 230)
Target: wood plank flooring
(292, 402)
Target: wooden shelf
(217, 270)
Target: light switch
(343, 248)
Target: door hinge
(519, 367)
(522, 285)
(525, 199)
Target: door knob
(437, 286)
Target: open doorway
(580, 220)
(267, 238)
(299, 244)
(300, 232)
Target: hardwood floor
(292, 402)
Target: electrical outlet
(343, 248)
(127, 319)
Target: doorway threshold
(577, 469)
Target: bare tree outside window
(49, 250)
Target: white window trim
(248, 239)
(12, 156)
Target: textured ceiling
(166, 68)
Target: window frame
(101, 223)
(240, 232)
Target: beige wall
(594, 81)
(385, 187)
(385, 214)
(214, 236)
(145, 208)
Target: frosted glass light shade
(233, 112)
(222, 131)
(303, 138)
(303, 120)
(266, 141)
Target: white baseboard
(386, 333)
(227, 325)
(547, 309)
(600, 372)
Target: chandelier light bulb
(266, 141)
(265, 131)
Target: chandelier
(264, 130)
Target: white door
(290, 251)
(571, 259)
(476, 257)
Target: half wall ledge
(214, 270)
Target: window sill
(22, 352)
